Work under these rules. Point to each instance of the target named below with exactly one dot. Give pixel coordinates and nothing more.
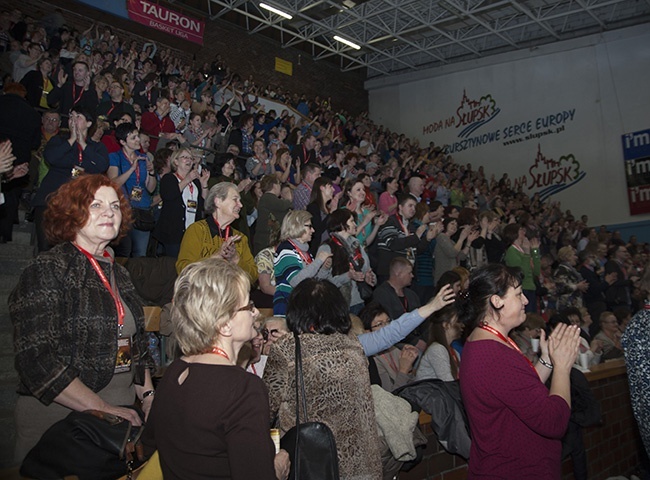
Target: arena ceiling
(397, 36)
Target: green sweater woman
(523, 253)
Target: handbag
(91, 445)
(311, 445)
(143, 219)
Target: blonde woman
(201, 431)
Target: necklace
(219, 351)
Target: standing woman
(183, 192)
(212, 319)
(321, 204)
(354, 196)
(516, 423)
(68, 158)
(448, 253)
(215, 235)
(388, 199)
(293, 263)
(523, 253)
(336, 390)
(133, 172)
(73, 310)
(350, 263)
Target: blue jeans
(139, 242)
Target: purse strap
(300, 386)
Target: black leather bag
(311, 445)
(91, 445)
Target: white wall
(597, 88)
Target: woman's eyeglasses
(250, 307)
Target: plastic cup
(534, 342)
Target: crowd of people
(312, 212)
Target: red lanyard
(81, 153)
(74, 92)
(227, 229)
(112, 108)
(508, 340)
(305, 258)
(399, 220)
(389, 358)
(116, 298)
(191, 185)
(404, 303)
(357, 253)
(454, 356)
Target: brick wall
(245, 54)
(612, 448)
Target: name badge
(136, 193)
(191, 206)
(123, 360)
(76, 171)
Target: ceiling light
(347, 42)
(276, 11)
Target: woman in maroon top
(516, 423)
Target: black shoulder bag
(311, 445)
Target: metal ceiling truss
(406, 35)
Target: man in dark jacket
(19, 123)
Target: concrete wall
(552, 117)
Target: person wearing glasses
(273, 329)
(183, 192)
(293, 263)
(200, 431)
(68, 156)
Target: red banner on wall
(161, 18)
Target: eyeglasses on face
(250, 307)
(379, 324)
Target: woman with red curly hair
(78, 321)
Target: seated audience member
(524, 334)
(213, 319)
(395, 296)
(440, 360)
(394, 365)
(273, 329)
(293, 263)
(214, 236)
(610, 336)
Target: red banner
(163, 19)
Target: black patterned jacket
(65, 324)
